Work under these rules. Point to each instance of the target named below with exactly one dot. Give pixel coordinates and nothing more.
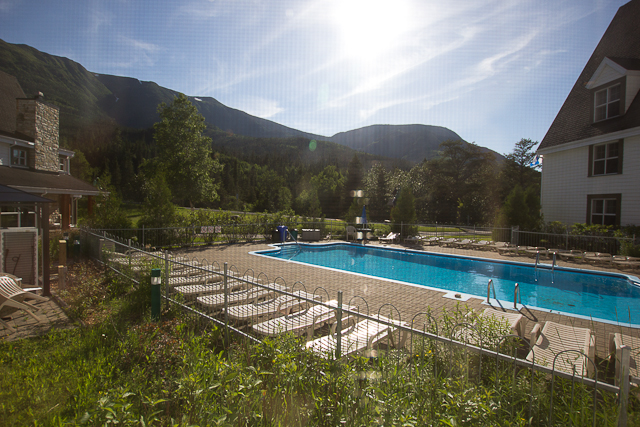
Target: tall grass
(124, 369)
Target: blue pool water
(609, 297)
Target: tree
(329, 185)
(522, 208)
(404, 212)
(157, 210)
(354, 179)
(185, 153)
(108, 211)
(377, 193)
(462, 181)
(516, 169)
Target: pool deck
(409, 300)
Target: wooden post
(65, 211)
(90, 204)
(62, 277)
(62, 252)
(46, 259)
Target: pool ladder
(516, 294)
(553, 264)
(489, 288)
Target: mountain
(85, 98)
(407, 142)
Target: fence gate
(19, 254)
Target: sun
(371, 28)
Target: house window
(605, 159)
(63, 164)
(607, 103)
(603, 209)
(18, 157)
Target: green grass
(124, 369)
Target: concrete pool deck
(409, 300)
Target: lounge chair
(625, 262)
(13, 298)
(462, 244)
(413, 240)
(506, 321)
(512, 318)
(448, 242)
(391, 237)
(431, 241)
(532, 252)
(281, 305)
(573, 255)
(481, 245)
(599, 258)
(616, 341)
(256, 293)
(495, 246)
(556, 338)
(357, 337)
(307, 320)
(210, 286)
(507, 249)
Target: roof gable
(607, 72)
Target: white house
(31, 159)
(591, 152)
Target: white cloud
(259, 107)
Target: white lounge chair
(462, 243)
(616, 341)
(256, 293)
(448, 242)
(356, 337)
(481, 245)
(432, 240)
(281, 305)
(556, 338)
(194, 280)
(391, 237)
(210, 286)
(512, 318)
(413, 240)
(13, 298)
(307, 320)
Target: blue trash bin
(282, 233)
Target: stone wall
(42, 123)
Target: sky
(492, 71)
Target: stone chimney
(41, 122)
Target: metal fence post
(339, 326)
(623, 397)
(155, 294)
(226, 303)
(166, 274)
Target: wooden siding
(566, 184)
(19, 254)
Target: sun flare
(370, 28)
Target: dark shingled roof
(10, 90)
(621, 44)
(11, 195)
(52, 182)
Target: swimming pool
(608, 297)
